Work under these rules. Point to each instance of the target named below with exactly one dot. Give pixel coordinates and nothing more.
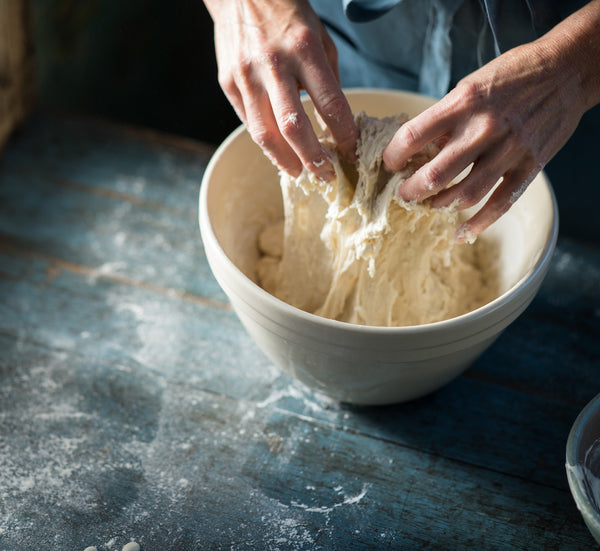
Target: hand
(508, 119)
(267, 51)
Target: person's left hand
(508, 119)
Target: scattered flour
(347, 500)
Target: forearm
(574, 44)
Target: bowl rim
(573, 459)
(517, 290)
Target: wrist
(574, 46)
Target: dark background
(146, 62)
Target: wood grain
(16, 66)
(133, 405)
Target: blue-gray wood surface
(133, 405)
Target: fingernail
(401, 192)
(391, 164)
(464, 235)
(327, 176)
(402, 195)
(322, 168)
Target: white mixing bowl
(355, 363)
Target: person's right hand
(267, 52)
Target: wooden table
(133, 405)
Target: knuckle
(496, 207)
(434, 177)
(227, 83)
(304, 41)
(472, 91)
(262, 136)
(243, 73)
(408, 136)
(502, 209)
(245, 67)
(270, 60)
(487, 128)
(333, 106)
(469, 196)
(490, 124)
(290, 124)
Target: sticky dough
(353, 251)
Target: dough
(352, 250)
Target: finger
(413, 136)
(513, 185)
(234, 97)
(264, 130)
(336, 114)
(438, 173)
(295, 127)
(322, 84)
(332, 54)
(483, 176)
(469, 191)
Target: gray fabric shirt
(428, 45)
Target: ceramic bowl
(353, 363)
(583, 465)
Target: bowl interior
(244, 194)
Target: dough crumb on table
(131, 546)
(352, 250)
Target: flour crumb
(131, 546)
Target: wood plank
(103, 280)
(97, 317)
(141, 240)
(16, 66)
(104, 233)
(134, 405)
(95, 453)
(470, 420)
(155, 168)
(555, 344)
(132, 238)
